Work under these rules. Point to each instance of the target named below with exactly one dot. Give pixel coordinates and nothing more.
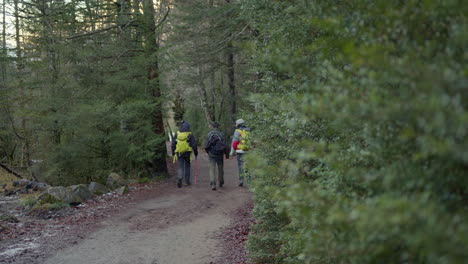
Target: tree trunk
(4, 47)
(26, 148)
(230, 74)
(231, 83)
(91, 15)
(206, 103)
(152, 48)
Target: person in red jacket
(240, 146)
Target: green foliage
(57, 206)
(28, 201)
(44, 208)
(47, 203)
(361, 129)
(144, 180)
(84, 104)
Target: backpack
(219, 147)
(244, 140)
(182, 143)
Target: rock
(9, 192)
(23, 191)
(21, 183)
(121, 190)
(34, 185)
(81, 190)
(115, 181)
(97, 188)
(132, 181)
(59, 194)
(3, 228)
(39, 186)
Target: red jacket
(234, 145)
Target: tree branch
(164, 18)
(101, 30)
(10, 118)
(10, 171)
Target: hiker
(240, 146)
(184, 148)
(215, 147)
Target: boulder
(132, 181)
(21, 183)
(82, 191)
(39, 186)
(34, 185)
(121, 190)
(59, 194)
(115, 181)
(97, 188)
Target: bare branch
(164, 18)
(101, 30)
(123, 53)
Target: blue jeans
(240, 164)
(183, 169)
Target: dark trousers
(183, 168)
(216, 169)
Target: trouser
(240, 165)
(216, 168)
(183, 168)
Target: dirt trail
(174, 226)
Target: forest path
(176, 227)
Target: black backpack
(218, 146)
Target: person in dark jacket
(215, 147)
(184, 148)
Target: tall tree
(151, 44)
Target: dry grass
(7, 178)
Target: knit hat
(240, 121)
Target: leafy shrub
(361, 131)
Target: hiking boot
(221, 183)
(241, 184)
(179, 183)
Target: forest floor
(155, 223)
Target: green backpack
(182, 142)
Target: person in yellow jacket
(240, 146)
(184, 149)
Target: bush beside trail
(361, 131)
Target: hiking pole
(195, 172)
